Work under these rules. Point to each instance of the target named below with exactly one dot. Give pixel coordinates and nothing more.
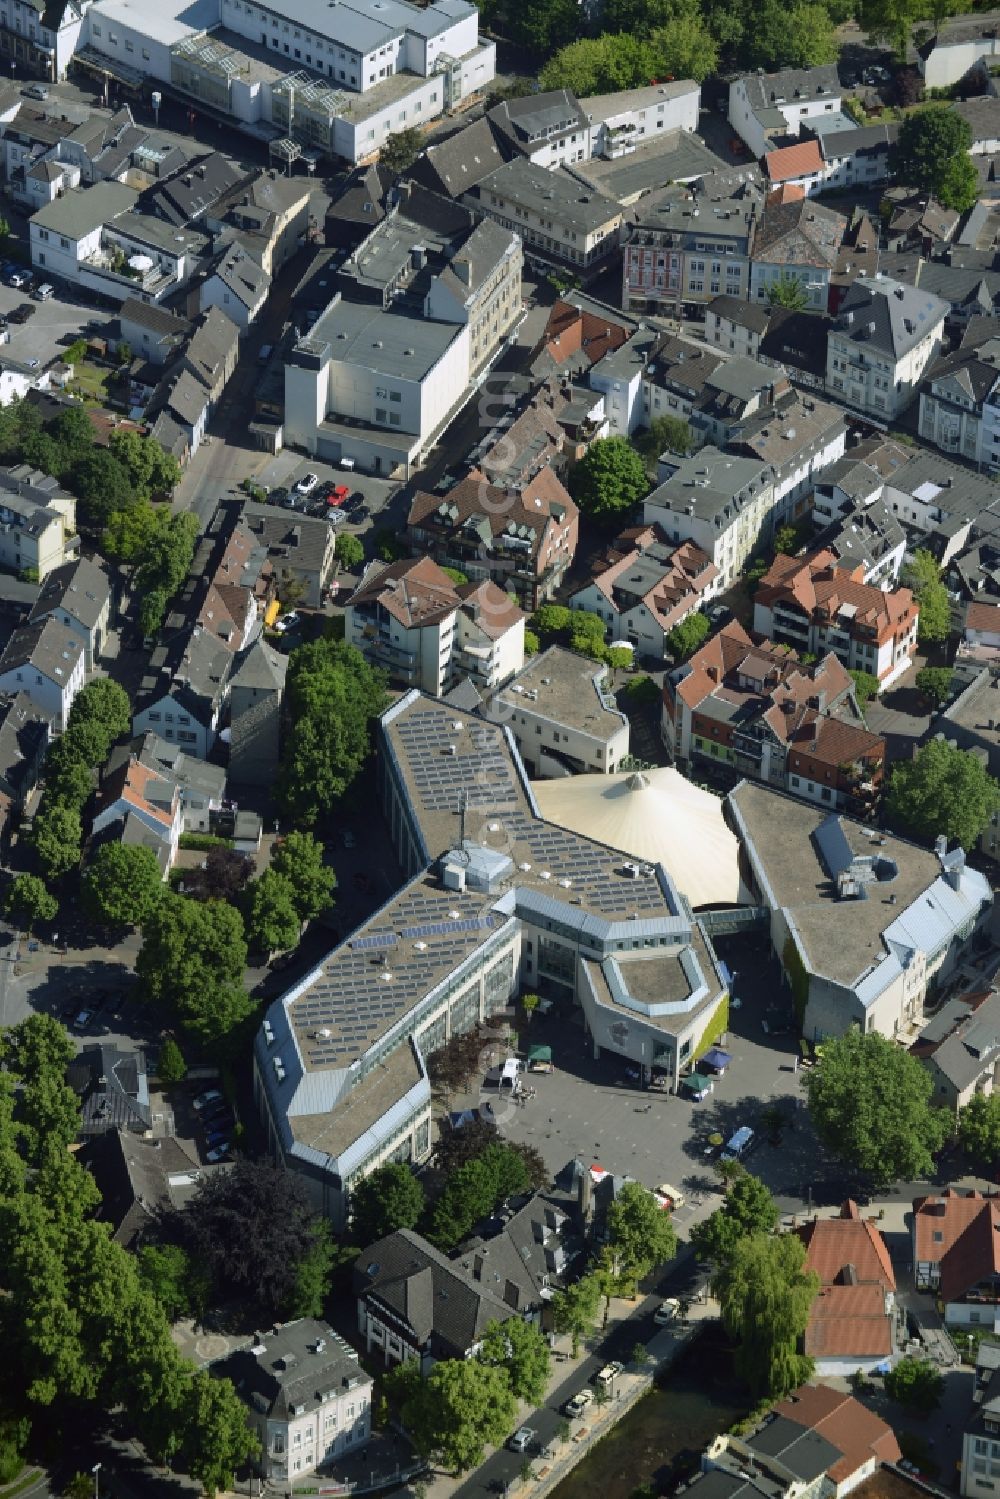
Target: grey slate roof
(454, 165)
(194, 669)
(260, 667)
(82, 210)
(292, 1368)
(972, 1046)
(743, 314)
(767, 90)
(216, 339)
(194, 190)
(48, 646)
(112, 1086)
(538, 119)
(556, 194)
(799, 1448)
(710, 482)
(247, 280)
(24, 732)
(443, 1307)
(890, 316)
(156, 319)
(81, 589)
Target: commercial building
(813, 605)
(885, 336)
(800, 240)
(860, 921)
(37, 39)
(495, 899)
(621, 122)
(768, 110)
(687, 248)
(562, 720)
(723, 503)
(555, 217)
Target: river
(663, 1436)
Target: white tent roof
(656, 816)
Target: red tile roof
(845, 1423)
(571, 330)
(961, 1234)
(820, 587)
(984, 617)
(849, 1318)
(793, 161)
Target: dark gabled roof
(741, 312)
(113, 1088)
(438, 1304)
(81, 589)
(293, 1368)
(454, 165)
(363, 200)
(138, 1179)
(48, 646)
(890, 316)
(194, 190)
(24, 733)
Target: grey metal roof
(800, 1449)
(792, 86)
(47, 646)
(385, 341)
(890, 316)
(82, 210)
(556, 194)
(712, 484)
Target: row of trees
(80, 1324)
(160, 546)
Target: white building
(724, 504)
(46, 660)
(886, 334)
(765, 106)
(308, 1398)
(238, 286)
(37, 523)
(39, 40)
(620, 122)
(78, 595)
(562, 720)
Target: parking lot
(286, 469)
(52, 326)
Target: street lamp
(96, 1470)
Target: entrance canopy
(539, 1053)
(698, 1084)
(656, 816)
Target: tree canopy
(122, 884)
(871, 1105)
(640, 1236)
(522, 1351)
(765, 1296)
(456, 1146)
(574, 1310)
(272, 922)
(748, 1209)
(923, 576)
(866, 686)
(942, 790)
(461, 1407)
(401, 150)
(932, 153)
(935, 683)
(332, 696)
(388, 1199)
(56, 834)
(915, 1382)
(684, 639)
(28, 901)
(298, 857)
(979, 1129)
(609, 479)
(192, 960)
(104, 707)
(788, 290)
(473, 1191)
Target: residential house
(813, 605)
(850, 960)
(960, 1047)
(364, 201)
(211, 353)
(140, 1179)
(300, 549)
(562, 719)
(525, 540)
(550, 130)
(720, 502)
(24, 739)
(854, 156)
(796, 239)
(47, 661)
(800, 167)
(552, 428)
(78, 594)
(767, 110)
(275, 210)
(415, 1303)
(113, 1090)
(676, 378)
(956, 1256)
(870, 540)
(137, 805)
(554, 219)
(622, 121)
(960, 403)
(178, 414)
(580, 331)
(980, 1466)
(819, 1443)
(961, 45)
(855, 1321)
(192, 193)
(405, 617)
(237, 285)
(454, 165)
(885, 336)
(182, 695)
(758, 712)
(646, 588)
(536, 1243)
(425, 304)
(686, 248)
(200, 785)
(308, 1399)
(37, 522)
(256, 690)
(919, 223)
(153, 333)
(799, 436)
(620, 378)
(942, 506)
(736, 325)
(980, 642)
(40, 40)
(858, 257)
(969, 720)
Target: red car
(337, 495)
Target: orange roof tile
(848, 1425)
(962, 1235)
(802, 160)
(984, 617)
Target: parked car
(579, 1403)
(36, 91)
(336, 517)
(738, 1144)
(278, 495)
(217, 1114)
(44, 292)
(204, 1099)
(606, 1377)
(265, 352)
(17, 279)
(674, 1196)
(22, 313)
(289, 621)
(307, 484)
(31, 364)
(83, 1019)
(216, 1137)
(360, 514)
(522, 1439)
(217, 1154)
(338, 494)
(666, 1312)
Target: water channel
(661, 1439)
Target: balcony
(114, 264)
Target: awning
(717, 1058)
(539, 1053)
(510, 1069)
(698, 1083)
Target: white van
(740, 1143)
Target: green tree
(299, 858)
(122, 884)
(923, 576)
(218, 1437)
(169, 1273)
(165, 471)
(684, 639)
(460, 1408)
(56, 835)
(102, 487)
(685, 48)
(932, 153)
(105, 704)
(666, 434)
(332, 695)
(943, 790)
(891, 21)
(748, 1209)
(916, 1383)
(473, 1191)
(401, 150)
(28, 901)
(797, 36)
(871, 1105)
(152, 612)
(788, 290)
(272, 922)
(765, 1295)
(935, 683)
(522, 1351)
(866, 686)
(541, 29)
(86, 741)
(586, 634)
(68, 777)
(552, 619)
(609, 479)
(388, 1199)
(640, 1236)
(191, 961)
(979, 1129)
(171, 1067)
(350, 550)
(312, 1275)
(529, 1004)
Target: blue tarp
(717, 1058)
